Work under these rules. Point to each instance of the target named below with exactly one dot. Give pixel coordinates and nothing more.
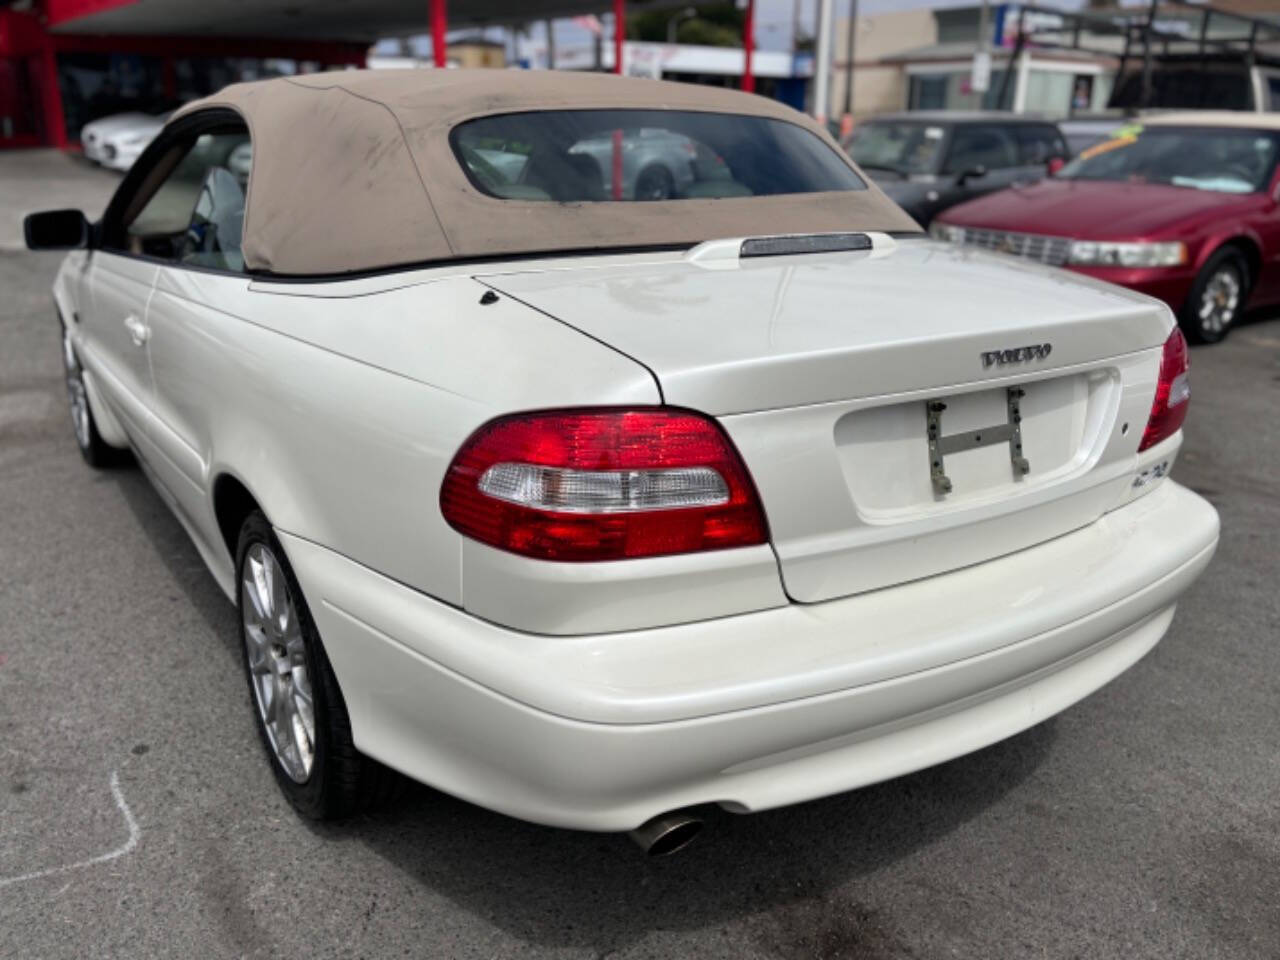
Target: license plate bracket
(940, 445)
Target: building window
(97, 85)
(951, 91)
(200, 76)
(928, 92)
(1049, 92)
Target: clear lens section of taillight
(1173, 392)
(603, 491)
(584, 485)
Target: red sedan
(1182, 207)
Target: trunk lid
(823, 368)
(726, 336)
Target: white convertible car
(594, 510)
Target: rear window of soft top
(593, 156)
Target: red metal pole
(54, 121)
(439, 27)
(619, 32)
(615, 177)
(749, 45)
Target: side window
(981, 146)
(1273, 90)
(1037, 144)
(195, 215)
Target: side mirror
(1055, 164)
(973, 173)
(56, 230)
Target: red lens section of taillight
(1173, 392)
(626, 483)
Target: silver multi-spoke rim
(76, 392)
(1220, 300)
(277, 662)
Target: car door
(987, 147)
(111, 336)
(141, 229)
(188, 331)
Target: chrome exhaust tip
(666, 833)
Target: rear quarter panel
(339, 406)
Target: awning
(368, 20)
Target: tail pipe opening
(666, 833)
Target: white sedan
(118, 140)
(594, 511)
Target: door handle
(138, 331)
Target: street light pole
(822, 67)
(846, 121)
(980, 76)
(674, 21)
(619, 33)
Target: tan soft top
(353, 171)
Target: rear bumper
(758, 710)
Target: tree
(716, 25)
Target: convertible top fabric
(353, 171)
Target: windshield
(1218, 159)
(574, 156)
(904, 148)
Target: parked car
(655, 163)
(1243, 74)
(1179, 206)
(928, 161)
(595, 512)
(118, 140)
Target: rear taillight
(581, 485)
(1173, 392)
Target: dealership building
(66, 62)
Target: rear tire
(1217, 298)
(301, 715)
(97, 452)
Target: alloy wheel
(1220, 300)
(278, 662)
(77, 395)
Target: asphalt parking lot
(138, 816)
